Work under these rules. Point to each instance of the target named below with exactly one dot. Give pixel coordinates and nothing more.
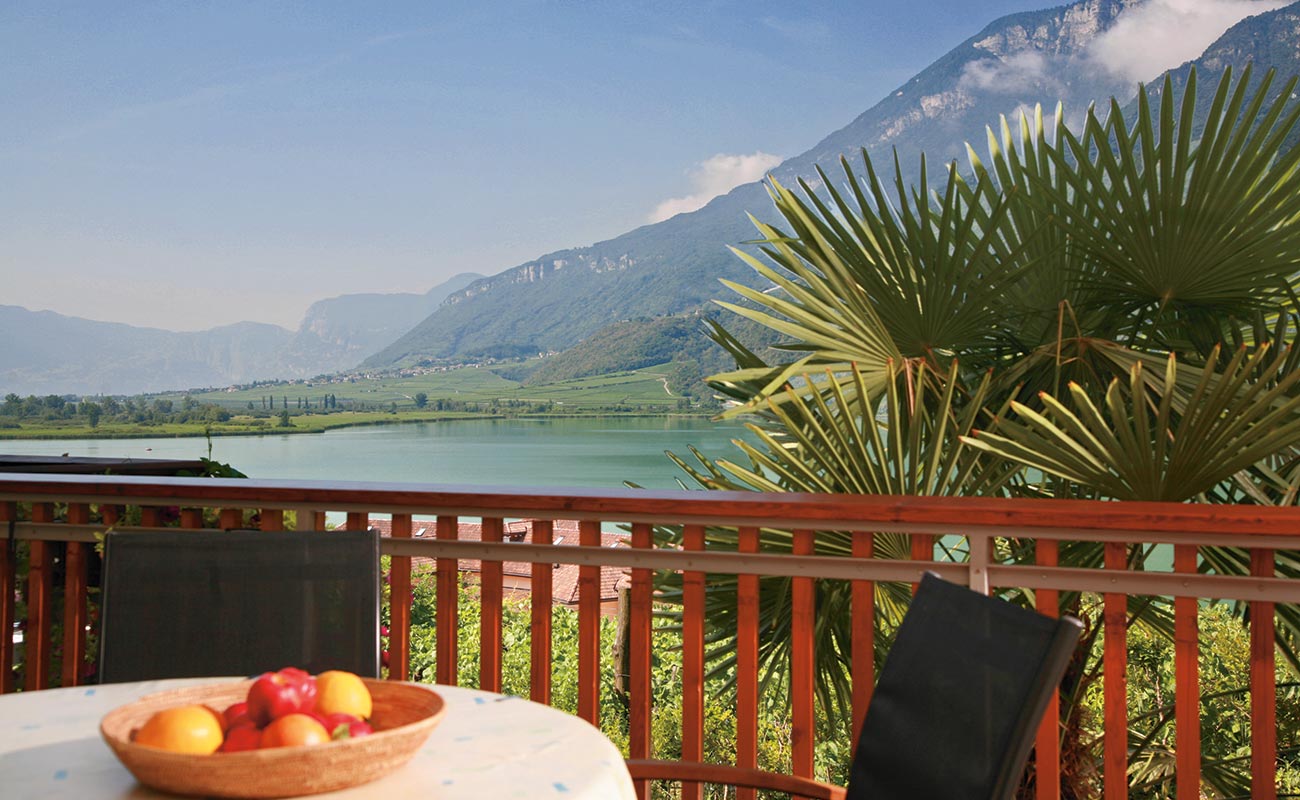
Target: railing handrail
(903, 513)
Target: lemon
(339, 692)
(184, 729)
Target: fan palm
(1068, 297)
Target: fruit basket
(404, 715)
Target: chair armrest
(694, 771)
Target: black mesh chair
(955, 709)
(208, 603)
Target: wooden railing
(40, 509)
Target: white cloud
(716, 176)
(1148, 39)
(1144, 41)
(1017, 72)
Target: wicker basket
(403, 717)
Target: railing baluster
(692, 659)
(399, 605)
(863, 641)
(1263, 687)
(747, 588)
(539, 688)
(589, 628)
(639, 648)
(447, 529)
(272, 519)
(1115, 681)
(1047, 746)
(8, 580)
(74, 600)
(1187, 684)
(191, 518)
(490, 585)
(150, 517)
(40, 602)
(356, 521)
(803, 618)
(231, 518)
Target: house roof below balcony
(564, 581)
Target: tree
(1135, 280)
(421, 399)
(284, 419)
(92, 412)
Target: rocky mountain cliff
(556, 301)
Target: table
(487, 746)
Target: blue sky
(186, 165)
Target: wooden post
(1187, 684)
(1115, 681)
(40, 604)
(8, 581)
(692, 660)
(1047, 745)
(589, 628)
(640, 612)
(74, 600)
(803, 620)
(490, 594)
(539, 684)
(448, 622)
(399, 605)
(1263, 687)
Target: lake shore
(300, 424)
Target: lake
(588, 452)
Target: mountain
(49, 353)
(560, 299)
(336, 334)
(53, 354)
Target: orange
(184, 729)
(294, 730)
(339, 692)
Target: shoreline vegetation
(323, 404)
(315, 424)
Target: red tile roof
(564, 580)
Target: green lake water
(582, 452)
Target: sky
(190, 165)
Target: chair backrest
(208, 603)
(960, 697)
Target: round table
(487, 746)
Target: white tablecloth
(487, 747)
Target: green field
(639, 390)
(456, 393)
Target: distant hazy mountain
(49, 353)
(556, 301)
(338, 333)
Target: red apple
(346, 726)
(235, 713)
(241, 737)
(276, 694)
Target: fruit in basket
(346, 726)
(184, 729)
(339, 692)
(277, 694)
(294, 730)
(236, 714)
(242, 737)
